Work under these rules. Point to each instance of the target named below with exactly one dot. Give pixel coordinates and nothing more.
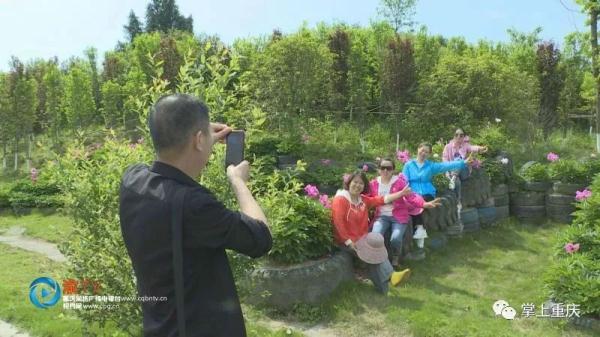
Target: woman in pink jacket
(459, 149)
(396, 214)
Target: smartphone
(234, 153)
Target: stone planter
(500, 194)
(444, 216)
(560, 202)
(309, 282)
(487, 216)
(286, 161)
(537, 186)
(529, 206)
(436, 241)
(476, 189)
(567, 189)
(470, 219)
(502, 212)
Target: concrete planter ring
(310, 282)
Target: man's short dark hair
(174, 118)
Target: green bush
(495, 169)
(95, 249)
(440, 182)
(591, 168)
(495, 138)
(573, 278)
(301, 227)
(25, 194)
(567, 171)
(324, 175)
(4, 196)
(536, 172)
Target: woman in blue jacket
(420, 172)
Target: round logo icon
(44, 292)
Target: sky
(45, 28)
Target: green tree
(134, 27)
(112, 103)
(398, 75)
(339, 45)
(92, 55)
(53, 81)
(292, 75)
(592, 8)
(78, 101)
(398, 13)
(551, 82)
(163, 15)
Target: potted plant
(302, 266)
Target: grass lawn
(20, 268)
(52, 228)
(452, 291)
(449, 294)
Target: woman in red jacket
(350, 217)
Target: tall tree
(399, 13)
(592, 8)
(22, 104)
(398, 74)
(339, 45)
(53, 81)
(163, 15)
(134, 26)
(92, 55)
(551, 83)
(78, 103)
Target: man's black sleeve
(209, 224)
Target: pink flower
(324, 200)
(365, 168)
(403, 156)
(132, 145)
(476, 163)
(552, 157)
(346, 177)
(305, 138)
(34, 175)
(582, 195)
(325, 161)
(571, 247)
(311, 191)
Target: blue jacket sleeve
(405, 171)
(447, 166)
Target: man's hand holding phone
(240, 171)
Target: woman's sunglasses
(386, 168)
(460, 135)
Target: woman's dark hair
(425, 144)
(362, 176)
(386, 159)
(461, 130)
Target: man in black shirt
(183, 139)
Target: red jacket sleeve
(339, 209)
(372, 201)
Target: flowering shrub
(552, 157)
(300, 225)
(567, 171)
(582, 195)
(311, 191)
(403, 156)
(575, 270)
